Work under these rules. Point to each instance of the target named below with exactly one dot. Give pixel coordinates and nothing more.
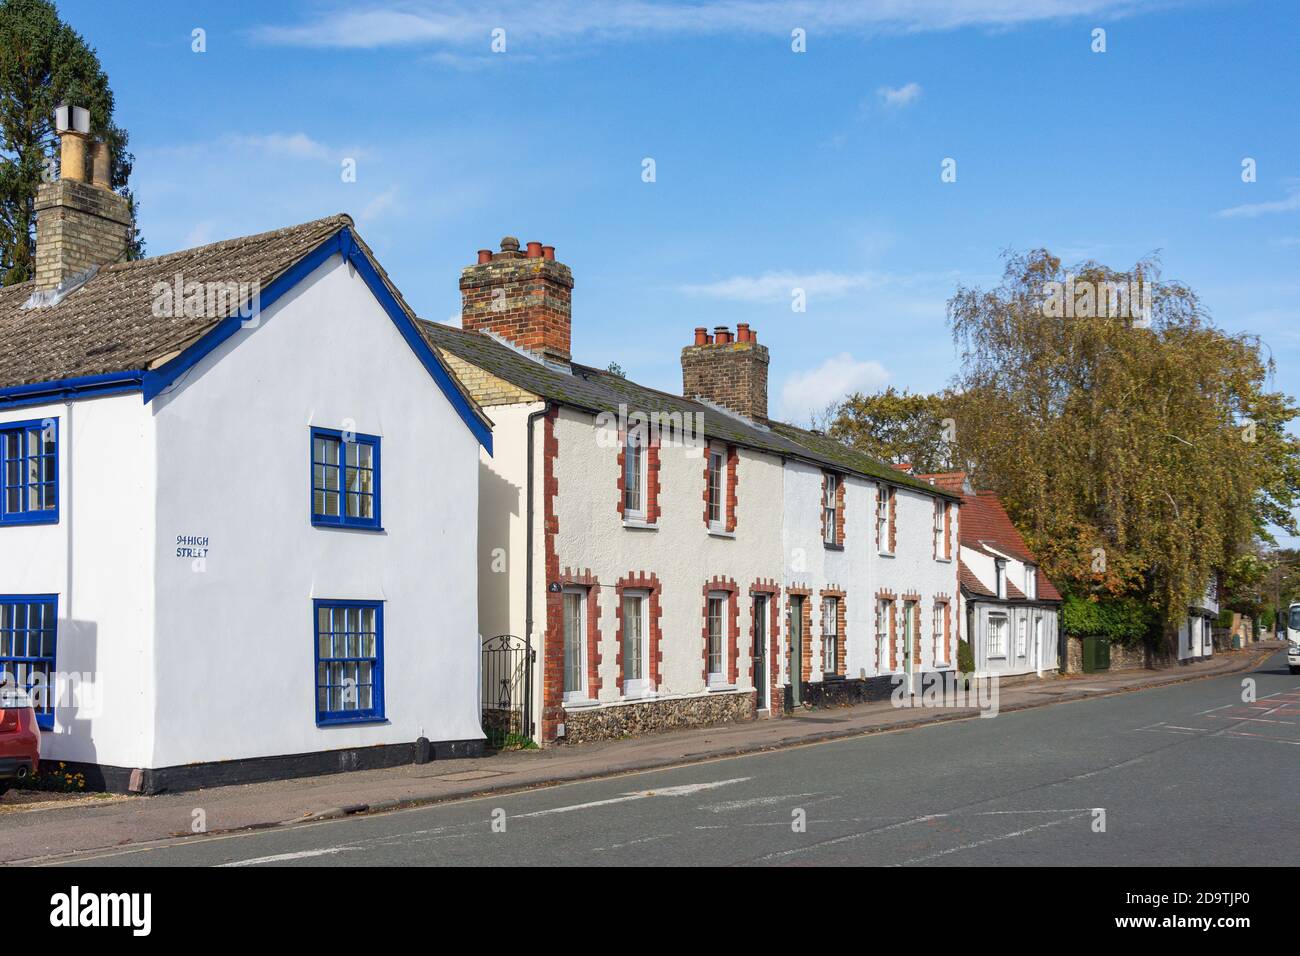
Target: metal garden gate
(507, 692)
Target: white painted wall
(984, 567)
(681, 551)
(235, 665)
(105, 592)
(860, 569)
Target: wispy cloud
(898, 97)
(413, 22)
(780, 286)
(291, 145)
(1253, 210)
(811, 391)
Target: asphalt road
(1186, 774)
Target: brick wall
(78, 226)
(484, 387)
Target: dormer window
(1031, 582)
(1000, 565)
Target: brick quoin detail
(841, 630)
(640, 581)
(773, 591)
(587, 580)
(893, 514)
(805, 645)
(727, 585)
(947, 530)
(553, 639)
(733, 460)
(893, 631)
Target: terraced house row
(687, 558)
(292, 527)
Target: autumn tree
(900, 427)
(44, 62)
(1139, 451)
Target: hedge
(1121, 620)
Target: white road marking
(996, 839)
(282, 857)
(729, 805)
(684, 790)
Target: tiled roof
(985, 524)
(108, 324)
(966, 577)
(597, 390)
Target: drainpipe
(528, 585)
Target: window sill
(722, 533)
(336, 721)
(639, 524)
(886, 554)
(944, 560)
(345, 526)
(832, 547)
(37, 517)
(584, 703)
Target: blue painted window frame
(11, 466)
(351, 655)
(11, 633)
(340, 469)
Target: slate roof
(597, 390)
(984, 524)
(107, 325)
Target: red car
(20, 740)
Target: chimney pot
(534, 250)
(509, 244)
(101, 165)
(548, 252)
(701, 335)
(742, 331)
(734, 378)
(722, 335)
(484, 255)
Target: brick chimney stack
(524, 297)
(727, 371)
(79, 224)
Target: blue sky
(774, 169)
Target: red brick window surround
(885, 517)
(805, 643)
(721, 633)
(886, 631)
(583, 586)
(834, 631)
(832, 509)
(914, 599)
(776, 702)
(720, 463)
(942, 629)
(639, 655)
(638, 475)
(947, 530)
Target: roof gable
(105, 336)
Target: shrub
(965, 658)
(1119, 620)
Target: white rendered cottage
(642, 544)
(238, 513)
(1009, 608)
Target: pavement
(196, 822)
